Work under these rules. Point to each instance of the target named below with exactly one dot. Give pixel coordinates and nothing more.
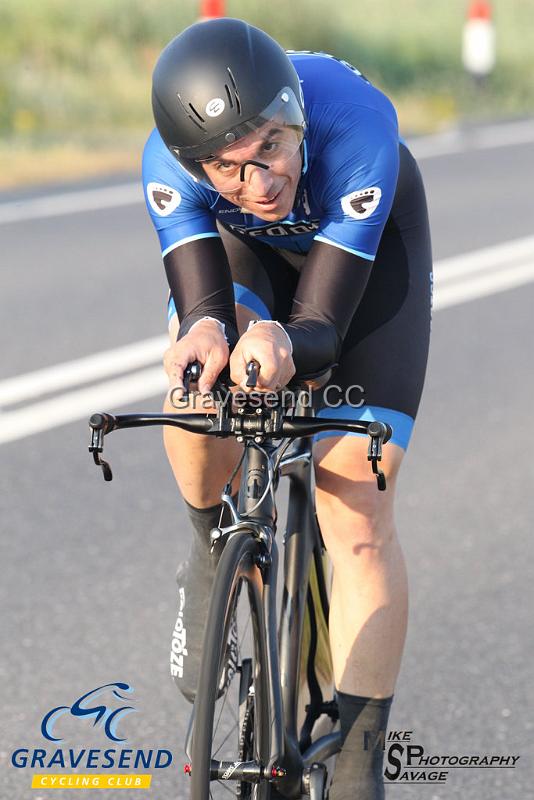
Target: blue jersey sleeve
(359, 166)
(179, 208)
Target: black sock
(359, 766)
(203, 521)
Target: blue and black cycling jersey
(350, 167)
(350, 207)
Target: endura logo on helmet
(163, 199)
(215, 107)
(362, 203)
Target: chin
(275, 215)
(271, 216)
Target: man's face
(266, 193)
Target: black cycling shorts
(383, 359)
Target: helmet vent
(236, 93)
(195, 112)
(197, 119)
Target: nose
(259, 178)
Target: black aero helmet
(218, 81)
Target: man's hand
(270, 347)
(205, 343)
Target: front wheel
(232, 727)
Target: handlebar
(251, 424)
(247, 426)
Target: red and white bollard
(210, 9)
(478, 47)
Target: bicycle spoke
(244, 635)
(232, 712)
(224, 786)
(225, 740)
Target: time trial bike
(263, 721)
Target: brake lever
(377, 431)
(96, 448)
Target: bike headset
(219, 81)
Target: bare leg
(369, 608)
(201, 464)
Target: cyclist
(294, 231)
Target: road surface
(88, 593)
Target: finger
(238, 368)
(171, 361)
(213, 366)
(288, 372)
(278, 376)
(175, 373)
(269, 372)
(177, 397)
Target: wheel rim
(234, 730)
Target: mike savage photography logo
(98, 709)
(408, 762)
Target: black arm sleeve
(331, 285)
(201, 285)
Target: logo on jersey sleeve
(163, 200)
(362, 203)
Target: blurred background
(75, 77)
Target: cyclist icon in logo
(107, 716)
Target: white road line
(500, 256)
(483, 285)
(464, 141)
(125, 194)
(457, 280)
(59, 205)
(34, 385)
(77, 405)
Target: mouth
(269, 203)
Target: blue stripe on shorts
(246, 298)
(243, 296)
(401, 423)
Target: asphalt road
(88, 568)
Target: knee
(355, 519)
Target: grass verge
(75, 78)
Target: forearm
(331, 285)
(201, 286)
(316, 345)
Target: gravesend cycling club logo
(103, 708)
(163, 199)
(362, 203)
(84, 708)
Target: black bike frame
(302, 540)
(256, 516)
